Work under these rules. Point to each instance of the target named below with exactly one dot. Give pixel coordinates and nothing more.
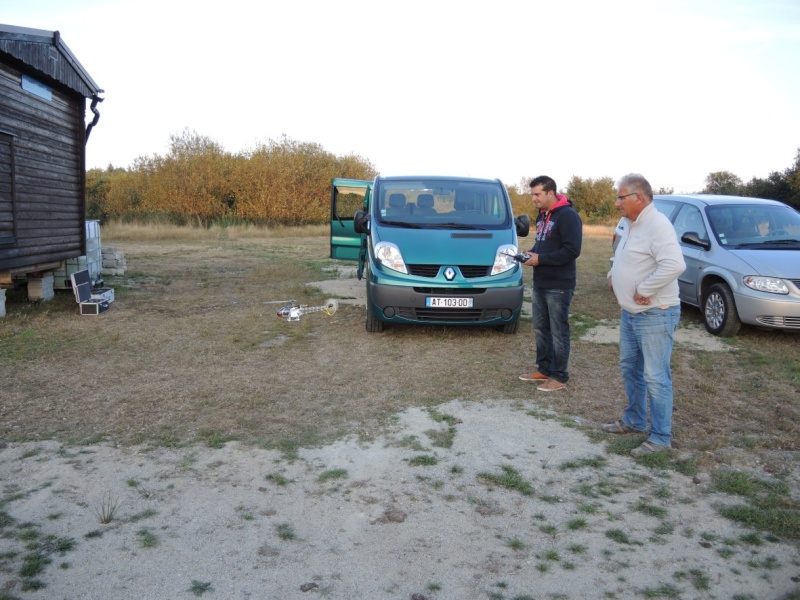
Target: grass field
(192, 351)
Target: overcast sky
(672, 89)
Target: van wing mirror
(361, 222)
(523, 223)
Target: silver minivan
(742, 259)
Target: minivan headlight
(389, 256)
(771, 285)
(504, 259)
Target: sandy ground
(398, 516)
(367, 520)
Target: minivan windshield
(753, 224)
(447, 204)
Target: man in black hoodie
(559, 234)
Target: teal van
(432, 250)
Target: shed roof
(46, 53)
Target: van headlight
(389, 256)
(771, 285)
(504, 259)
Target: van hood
(771, 263)
(446, 246)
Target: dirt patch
(388, 518)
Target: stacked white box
(41, 288)
(2, 302)
(113, 261)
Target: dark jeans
(551, 326)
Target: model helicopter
(293, 311)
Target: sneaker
(551, 385)
(618, 427)
(646, 448)
(538, 377)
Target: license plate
(448, 302)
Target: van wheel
(509, 328)
(373, 324)
(719, 311)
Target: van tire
(373, 324)
(509, 328)
(719, 311)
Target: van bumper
(402, 304)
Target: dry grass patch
(192, 350)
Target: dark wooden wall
(46, 223)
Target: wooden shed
(43, 135)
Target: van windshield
(442, 204)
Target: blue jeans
(645, 349)
(551, 326)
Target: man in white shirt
(644, 277)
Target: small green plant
(442, 439)
(145, 514)
(665, 528)
(510, 479)
(442, 417)
(648, 509)
(618, 536)
(550, 555)
(423, 460)
(107, 509)
(576, 523)
(33, 564)
(285, 531)
(332, 474)
(434, 587)
(725, 552)
(751, 538)
(147, 539)
(577, 548)
(278, 479)
(595, 462)
(96, 533)
(550, 530)
(700, 580)
(516, 544)
(214, 439)
(198, 588)
(663, 590)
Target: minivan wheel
(719, 311)
(373, 324)
(509, 327)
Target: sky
(672, 89)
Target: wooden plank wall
(49, 209)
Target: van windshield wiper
(454, 226)
(402, 224)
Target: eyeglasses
(620, 198)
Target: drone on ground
(293, 311)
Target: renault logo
(449, 273)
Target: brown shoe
(551, 385)
(646, 448)
(535, 377)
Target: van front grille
(468, 271)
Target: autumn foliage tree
(281, 182)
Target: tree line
(286, 182)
